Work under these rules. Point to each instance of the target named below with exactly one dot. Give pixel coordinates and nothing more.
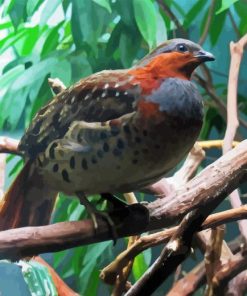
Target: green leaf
(38, 278)
(193, 13)
(161, 34)
(36, 72)
(225, 5)
(17, 12)
(25, 44)
(126, 10)
(48, 11)
(145, 16)
(32, 6)
(80, 66)
(8, 41)
(17, 168)
(216, 27)
(105, 4)
(94, 252)
(17, 101)
(5, 25)
(62, 71)
(129, 45)
(8, 77)
(139, 266)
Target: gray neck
(178, 98)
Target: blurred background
(70, 39)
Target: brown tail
(28, 202)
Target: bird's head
(174, 58)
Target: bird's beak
(204, 56)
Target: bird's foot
(105, 216)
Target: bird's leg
(93, 212)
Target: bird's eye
(182, 48)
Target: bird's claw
(105, 216)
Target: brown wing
(100, 97)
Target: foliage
(71, 39)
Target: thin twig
(109, 273)
(234, 25)
(208, 22)
(121, 279)
(212, 256)
(56, 85)
(228, 271)
(236, 50)
(172, 16)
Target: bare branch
(210, 186)
(109, 273)
(56, 85)
(208, 22)
(9, 145)
(236, 50)
(228, 271)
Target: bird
(115, 131)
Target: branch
(191, 282)
(172, 16)
(171, 256)
(110, 272)
(208, 23)
(213, 184)
(236, 50)
(228, 271)
(56, 85)
(9, 145)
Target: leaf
(89, 261)
(80, 66)
(139, 266)
(226, 5)
(25, 44)
(52, 41)
(32, 6)
(129, 45)
(105, 4)
(8, 78)
(193, 13)
(161, 34)
(62, 71)
(216, 27)
(36, 72)
(145, 16)
(5, 25)
(85, 29)
(48, 11)
(17, 100)
(38, 278)
(126, 10)
(17, 12)
(17, 168)
(8, 41)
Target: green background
(71, 39)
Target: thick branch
(213, 184)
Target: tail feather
(28, 202)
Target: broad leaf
(105, 4)
(225, 5)
(146, 20)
